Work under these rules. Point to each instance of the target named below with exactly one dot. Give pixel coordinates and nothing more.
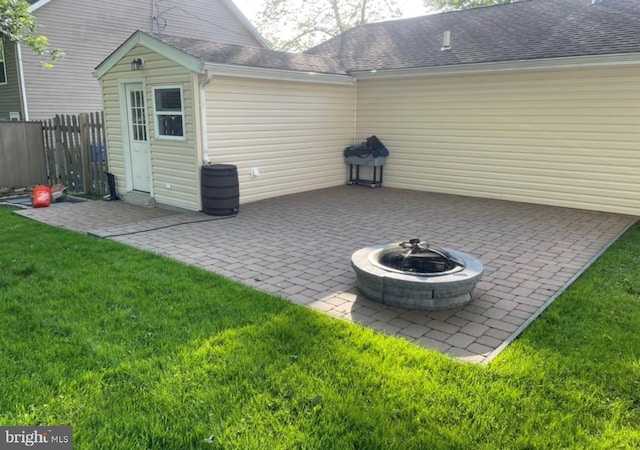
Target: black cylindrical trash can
(220, 190)
(111, 181)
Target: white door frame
(126, 131)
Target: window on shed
(169, 112)
(3, 70)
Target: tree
(454, 5)
(296, 25)
(18, 25)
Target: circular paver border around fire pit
(405, 290)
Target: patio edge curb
(548, 303)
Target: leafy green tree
(296, 25)
(18, 25)
(454, 5)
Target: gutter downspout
(355, 111)
(23, 88)
(203, 116)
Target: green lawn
(137, 351)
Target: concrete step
(139, 199)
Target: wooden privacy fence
(22, 159)
(76, 152)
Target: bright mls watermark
(43, 438)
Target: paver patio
(299, 247)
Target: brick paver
(87, 216)
(299, 247)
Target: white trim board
(571, 62)
(37, 5)
(277, 74)
(141, 38)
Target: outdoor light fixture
(137, 63)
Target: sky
(410, 8)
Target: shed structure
(535, 101)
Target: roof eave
(37, 5)
(610, 60)
(277, 74)
(185, 60)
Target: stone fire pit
(412, 274)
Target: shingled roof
(240, 55)
(526, 30)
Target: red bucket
(41, 196)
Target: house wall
(174, 163)
(564, 137)
(293, 132)
(202, 19)
(10, 92)
(89, 30)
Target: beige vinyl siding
(10, 91)
(173, 162)
(89, 30)
(294, 133)
(567, 138)
(113, 130)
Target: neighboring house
(87, 31)
(9, 83)
(536, 101)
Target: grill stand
(358, 161)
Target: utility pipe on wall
(203, 116)
(23, 88)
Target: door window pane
(138, 116)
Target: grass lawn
(137, 351)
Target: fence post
(48, 151)
(60, 151)
(84, 152)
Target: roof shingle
(526, 30)
(239, 55)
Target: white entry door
(140, 157)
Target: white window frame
(4, 62)
(157, 113)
